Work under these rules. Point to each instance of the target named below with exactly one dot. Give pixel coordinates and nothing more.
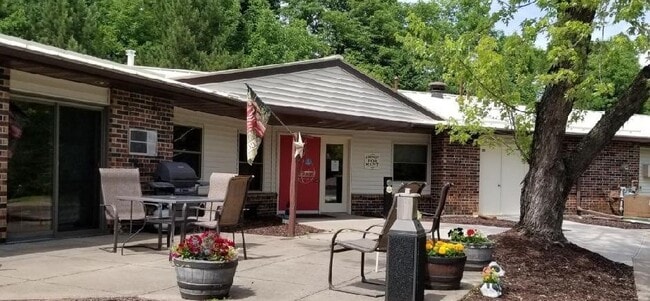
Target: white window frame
(151, 142)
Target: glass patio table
(173, 201)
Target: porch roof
(55, 62)
(323, 92)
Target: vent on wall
(143, 142)
(646, 170)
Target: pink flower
(470, 232)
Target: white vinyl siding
(221, 143)
(220, 149)
(644, 180)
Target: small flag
(257, 116)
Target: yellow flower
(459, 247)
(442, 250)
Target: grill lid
(177, 173)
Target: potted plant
(491, 276)
(445, 265)
(478, 248)
(205, 266)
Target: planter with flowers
(478, 248)
(205, 266)
(491, 276)
(445, 265)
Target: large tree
(504, 73)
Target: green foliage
(612, 65)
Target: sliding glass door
(31, 170)
(53, 185)
(79, 160)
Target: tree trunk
(547, 184)
(552, 173)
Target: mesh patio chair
(231, 212)
(126, 182)
(377, 242)
(435, 227)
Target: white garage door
(644, 176)
(501, 175)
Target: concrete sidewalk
(277, 269)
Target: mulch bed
(585, 219)
(592, 220)
(272, 225)
(544, 271)
(470, 220)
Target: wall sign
(371, 161)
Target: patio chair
(366, 244)
(231, 212)
(435, 227)
(218, 186)
(126, 182)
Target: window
(143, 142)
(410, 162)
(255, 169)
(187, 146)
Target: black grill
(175, 177)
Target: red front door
(307, 173)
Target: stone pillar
(406, 253)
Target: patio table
(173, 201)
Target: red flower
(470, 232)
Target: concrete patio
(277, 269)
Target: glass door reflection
(334, 173)
(30, 169)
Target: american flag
(257, 117)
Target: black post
(388, 195)
(406, 253)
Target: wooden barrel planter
(478, 256)
(444, 273)
(201, 279)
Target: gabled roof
(445, 105)
(328, 87)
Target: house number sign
(371, 161)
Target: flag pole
(292, 191)
(256, 120)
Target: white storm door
(335, 162)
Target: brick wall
(373, 204)
(617, 165)
(4, 143)
(367, 204)
(134, 110)
(265, 203)
(458, 164)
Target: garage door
(644, 172)
(501, 175)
